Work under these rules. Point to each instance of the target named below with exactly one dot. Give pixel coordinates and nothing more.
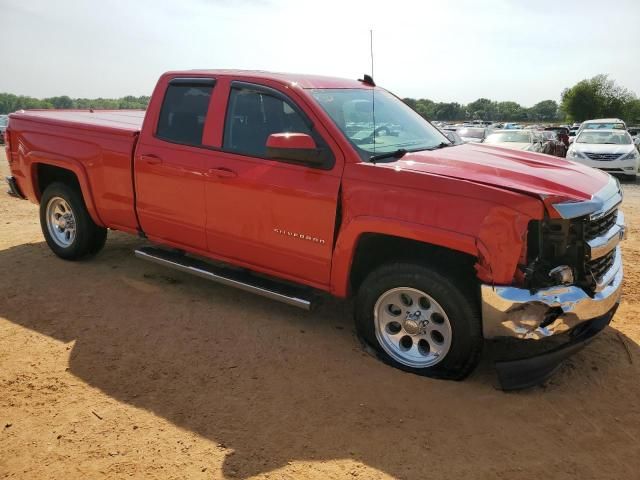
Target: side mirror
(296, 148)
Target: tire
(445, 308)
(67, 226)
(630, 178)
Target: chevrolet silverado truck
(292, 185)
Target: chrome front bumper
(516, 312)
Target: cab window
(253, 115)
(184, 111)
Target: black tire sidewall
(460, 307)
(87, 233)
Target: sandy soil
(117, 368)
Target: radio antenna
(371, 49)
(373, 92)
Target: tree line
(596, 97)
(485, 109)
(10, 103)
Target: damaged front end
(571, 275)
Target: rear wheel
(67, 226)
(419, 321)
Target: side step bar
(300, 297)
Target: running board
(298, 296)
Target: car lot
(114, 367)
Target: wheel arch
(64, 170)
(369, 243)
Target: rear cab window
(184, 110)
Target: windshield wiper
(440, 145)
(401, 152)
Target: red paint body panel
(299, 223)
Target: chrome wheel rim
(61, 222)
(412, 328)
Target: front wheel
(420, 321)
(66, 224)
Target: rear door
(170, 163)
(279, 217)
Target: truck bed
(97, 146)
(125, 121)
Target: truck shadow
(273, 385)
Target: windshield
(607, 126)
(509, 137)
(471, 132)
(615, 138)
(4, 121)
(396, 125)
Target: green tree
(632, 112)
(60, 102)
(449, 111)
(546, 110)
(482, 109)
(510, 112)
(596, 97)
(426, 108)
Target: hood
(513, 145)
(602, 148)
(527, 172)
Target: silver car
(516, 139)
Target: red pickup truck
(291, 185)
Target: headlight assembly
(631, 155)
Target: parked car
(572, 134)
(511, 126)
(472, 134)
(634, 131)
(610, 150)
(603, 123)
(552, 145)
(452, 135)
(290, 180)
(516, 139)
(562, 132)
(4, 120)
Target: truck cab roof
(302, 80)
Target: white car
(610, 150)
(516, 139)
(603, 124)
(472, 134)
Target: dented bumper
(516, 312)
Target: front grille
(597, 268)
(600, 226)
(603, 156)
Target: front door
(279, 217)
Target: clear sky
(444, 50)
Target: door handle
(221, 172)
(151, 159)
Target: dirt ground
(118, 368)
